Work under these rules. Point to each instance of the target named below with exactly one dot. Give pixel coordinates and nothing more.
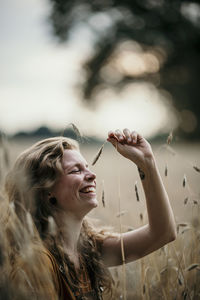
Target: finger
(119, 135)
(127, 134)
(134, 136)
(111, 134)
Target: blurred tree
(156, 41)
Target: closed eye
(75, 171)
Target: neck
(69, 227)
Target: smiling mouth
(88, 190)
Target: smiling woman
(52, 189)
(75, 190)
(54, 253)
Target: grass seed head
(144, 289)
(130, 228)
(103, 194)
(184, 295)
(185, 230)
(183, 224)
(103, 198)
(136, 192)
(196, 168)
(98, 155)
(169, 138)
(121, 213)
(77, 132)
(166, 171)
(192, 267)
(180, 281)
(184, 180)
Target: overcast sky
(38, 76)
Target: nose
(90, 176)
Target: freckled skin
(67, 189)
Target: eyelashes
(75, 171)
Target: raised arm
(161, 228)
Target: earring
(53, 200)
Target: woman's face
(75, 190)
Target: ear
(53, 200)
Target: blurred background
(101, 65)
(104, 65)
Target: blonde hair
(34, 174)
(29, 217)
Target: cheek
(67, 189)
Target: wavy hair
(29, 220)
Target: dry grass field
(172, 272)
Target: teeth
(88, 189)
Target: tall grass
(172, 272)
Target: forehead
(71, 157)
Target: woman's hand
(131, 145)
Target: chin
(90, 207)
(94, 203)
(89, 203)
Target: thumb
(113, 141)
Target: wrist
(147, 163)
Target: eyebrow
(74, 165)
